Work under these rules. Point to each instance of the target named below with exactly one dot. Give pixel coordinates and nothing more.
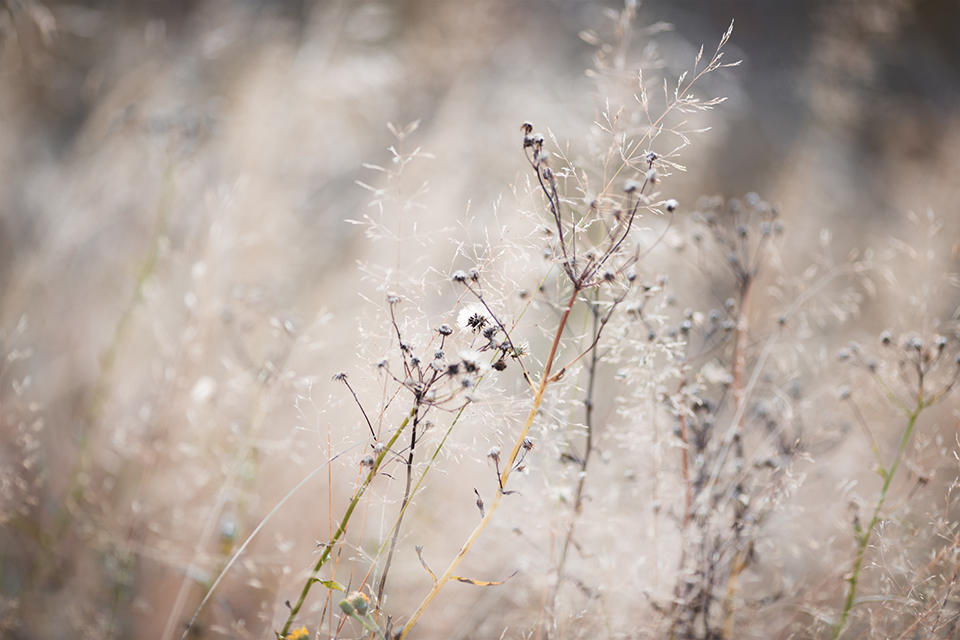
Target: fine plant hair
(631, 390)
(913, 371)
(595, 254)
(724, 378)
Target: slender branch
(587, 448)
(863, 539)
(342, 527)
(343, 378)
(403, 510)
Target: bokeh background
(179, 280)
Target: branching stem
(509, 466)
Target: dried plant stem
(342, 527)
(403, 510)
(739, 348)
(685, 453)
(412, 492)
(742, 558)
(189, 626)
(584, 459)
(495, 502)
(937, 603)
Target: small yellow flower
(298, 634)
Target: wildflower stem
(403, 509)
(685, 452)
(863, 538)
(416, 487)
(342, 527)
(495, 502)
(587, 449)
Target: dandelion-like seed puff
(474, 317)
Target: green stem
(342, 527)
(863, 537)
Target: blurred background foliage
(176, 270)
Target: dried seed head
(652, 176)
(630, 186)
(526, 128)
(444, 330)
(474, 275)
(886, 338)
(340, 376)
(499, 365)
(471, 361)
(671, 205)
(368, 462)
(459, 276)
(474, 317)
(527, 444)
(393, 298)
(650, 157)
(494, 454)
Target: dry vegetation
(273, 367)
